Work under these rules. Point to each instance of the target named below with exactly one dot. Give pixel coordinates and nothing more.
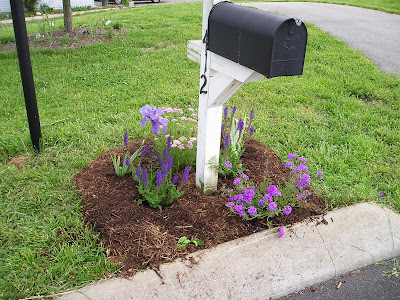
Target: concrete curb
(261, 266)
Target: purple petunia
(228, 164)
(273, 191)
(244, 176)
(261, 202)
(281, 232)
(267, 197)
(289, 164)
(237, 181)
(319, 174)
(126, 139)
(272, 206)
(292, 155)
(238, 197)
(382, 195)
(303, 159)
(230, 204)
(287, 210)
(238, 208)
(301, 168)
(252, 210)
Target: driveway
(375, 33)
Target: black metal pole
(21, 40)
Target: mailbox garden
(162, 142)
(198, 178)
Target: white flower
(51, 24)
(108, 22)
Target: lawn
(342, 114)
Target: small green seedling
(184, 241)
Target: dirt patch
(61, 40)
(20, 160)
(144, 237)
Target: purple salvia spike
(145, 179)
(233, 111)
(227, 140)
(185, 174)
(128, 163)
(252, 130)
(240, 125)
(226, 111)
(137, 170)
(251, 114)
(175, 179)
(159, 178)
(126, 139)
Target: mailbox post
(239, 45)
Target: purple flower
(237, 181)
(223, 127)
(272, 206)
(252, 130)
(267, 197)
(229, 204)
(137, 169)
(252, 210)
(289, 164)
(228, 164)
(145, 179)
(306, 179)
(273, 191)
(175, 179)
(185, 174)
(240, 125)
(300, 196)
(303, 159)
(226, 111)
(248, 193)
(154, 116)
(128, 163)
(291, 155)
(159, 178)
(287, 210)
(382, 195)
(126, 139)
(252, 114)
(233, 111)
(281, 232)
(319, 174)
(238, 208)
(238, 197)
(227, 140)
(244, 176)
(144, 151)
(261, 202)
(301, 168)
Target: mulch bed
(142, 237)
(77, 37)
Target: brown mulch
(78, 37)
(144, 237)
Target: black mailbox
(270, 44)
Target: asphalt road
(375, 282)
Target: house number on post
(226, 64)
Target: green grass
(342, 114)
(389, 6)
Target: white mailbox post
(220, 78)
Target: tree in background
(67, 10)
